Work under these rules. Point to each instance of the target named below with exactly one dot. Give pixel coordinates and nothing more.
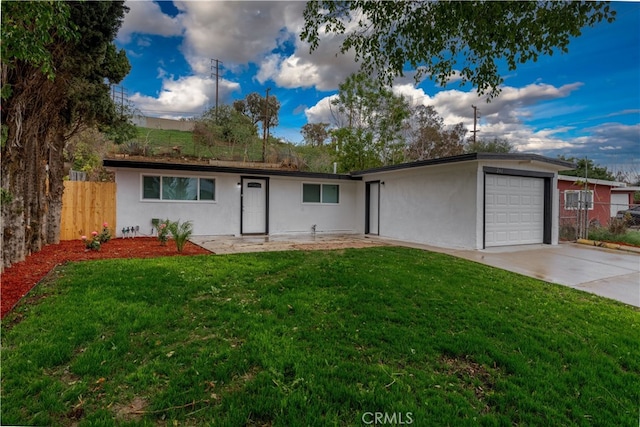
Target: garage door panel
(514, 210)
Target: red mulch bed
(18, 279)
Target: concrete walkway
(609, 273)
(305, 242)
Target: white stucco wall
(435, 205)
(209, 218)
(287, 213)
(440, 205)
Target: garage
(514, 210)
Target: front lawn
(316, 338)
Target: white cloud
(145, 17)
(505, 117)
(184, 97)
(236, 32)
(240, 33)
(321, 112)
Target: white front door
(254, 206)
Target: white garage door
(514, 210)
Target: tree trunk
(55, 189)
(34, 144)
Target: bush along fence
(579, 215)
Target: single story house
(471, 201)
(602, 199)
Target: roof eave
(559, 164)
(136, 164)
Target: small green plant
(163, 231)
(105, 234)
(181, 232)
(92, 244)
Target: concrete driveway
(609, 273)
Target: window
(578, 199)
(320, 193)
(178, 188)
(330, 193)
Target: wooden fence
(85, 207)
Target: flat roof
(563, 165)
(357, 175)
(193, 167)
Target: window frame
(161, 180)
(322, 201)
(579, 203)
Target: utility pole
(217, 76)
(265, 126)
(475, 122)
(122, 92)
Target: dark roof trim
(469, 157)
(115, 163)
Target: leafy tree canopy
(438, 39)
(255, 107)
(586, 167)
(369, 124)
(315, 134)
(496, 145)
(430, 138)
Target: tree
(430, 138)
(438, 39)
(57, 61)
(496, 145)
(369, 123)
(315, 134)
(253, 106)
(586, 167)
(226, 127)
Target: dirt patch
(132, 411)
(472, 375)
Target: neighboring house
(470, 201)
(601, 199)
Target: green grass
(316, 338)
(631, 237)
(162, 141)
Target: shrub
(92, 244)
(163, 231)
(105, 234)
(618, 226)
(180, 232)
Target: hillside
(176, 144)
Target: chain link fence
(579, 213)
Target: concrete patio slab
(231, 244)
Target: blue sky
(585, 103)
